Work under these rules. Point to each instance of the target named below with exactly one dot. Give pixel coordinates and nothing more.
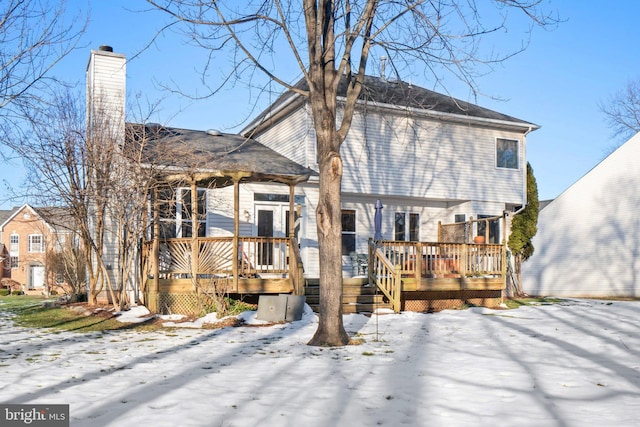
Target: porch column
(153, 302)
(236, 230)
(195, 246)
(292, 216)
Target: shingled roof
(215, 153)
(395, 93)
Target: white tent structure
(588, 240)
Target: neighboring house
(588, 240)
(28, 235)
(427, 157)
(5, 269)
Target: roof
(53, 217)
(401, 94)
(215, 153)
(5, 214)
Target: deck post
(418, 263)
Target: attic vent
(214, 132)
(105, 48)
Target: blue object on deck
(377, 220)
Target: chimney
(106, 92)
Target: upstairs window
(507, 153)
(36, 243)
(15, 244)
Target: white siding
(402, 156)
(588, 240)
(291, 137)
(106, 81)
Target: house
(29, 235)
(427, 157)
(444, 171)
(588, 243)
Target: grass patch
(30, 312)
(512, 303)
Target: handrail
(385, 275)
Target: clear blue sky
(556, 83)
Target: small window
(348, 232)
(507, 153)
(460, 218)
(36, 243)
(14, 262)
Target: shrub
(53, 293)
(16, 292)
(4, 292)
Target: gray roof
(215, 153)
(402, 94)
(5, 214)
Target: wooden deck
(409, 275)
(176, 271)
(423, 272)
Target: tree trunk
(330, 330)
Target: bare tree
(622, 111)
(332, 41)
(35, 35)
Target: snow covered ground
(570, 364)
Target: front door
(269, 224)
(36, 276)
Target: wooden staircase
(357, 296)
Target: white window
(407, 227)
(507, 153)
(175, 213)
(348, 231)
(15, 244)
(36, 243)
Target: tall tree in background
(525, 225)
(622, 110)
(334, 40)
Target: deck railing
(436, 259)
(215, 256)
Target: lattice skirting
(431, 301)
(185, 303)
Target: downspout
(524, 199)
(524, 173)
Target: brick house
(28, 238)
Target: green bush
(53, 293)
(16, 292)
(4, 292)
